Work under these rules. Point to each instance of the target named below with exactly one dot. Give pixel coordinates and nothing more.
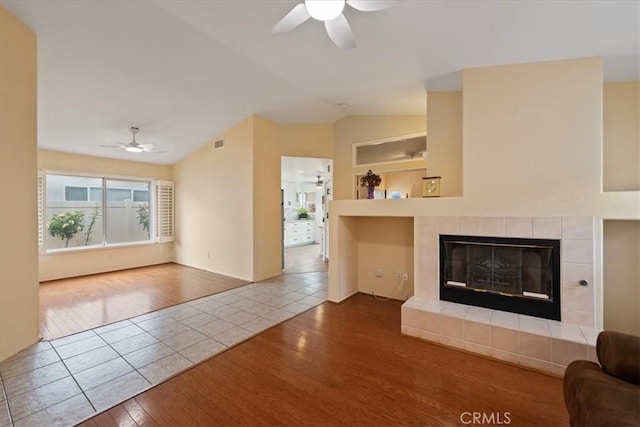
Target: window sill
(63, 251)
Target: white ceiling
(186, 71)
(303, 169)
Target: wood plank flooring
(68, 306)
(304, 259)
(344, 364)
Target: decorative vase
(370, 192)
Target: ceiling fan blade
(151, 145)
(113, 141)
(152, 150)
(295, 17)
(372, 5)
(340, 32)
(112, 146)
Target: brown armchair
(609, 394)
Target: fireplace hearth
(509, 274)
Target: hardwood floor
(304, 259)
(344, 364)
(68, 306)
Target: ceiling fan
(134, 146)
(330, 12)
(318, 182)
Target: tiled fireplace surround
(542, 344)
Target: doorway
(304, 204)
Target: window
(392, 150)
(77, 194)
(73, 212)
(95, 194)
(140, 195)
(80, 194)
(127, 221)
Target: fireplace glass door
(504, 269)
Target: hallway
(304, 259)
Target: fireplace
(508, 274)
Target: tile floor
(67, 380)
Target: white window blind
(40, 211)
(164, 211)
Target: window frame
(155, 216)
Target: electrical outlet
(378, 272)
(405, 276)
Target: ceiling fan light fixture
(133, 149)
(324, 10)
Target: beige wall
(18, 187)
(306, 140)
(444, 140)
(621, 136)
(622, 276)
(214, 205)
(61, 265)
(228, 200)
(67, 162)
(267, 221)
(347, 262)
(533, 134)
(385, 244)
(354, 129)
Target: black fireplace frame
(548, 309)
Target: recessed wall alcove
(374, 253)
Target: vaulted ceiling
(185, 71)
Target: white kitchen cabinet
(300, 232)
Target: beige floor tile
(134, 343)
(203, 350)
(43, 397)
(117, 390)
(72, 338)
(184, 340)
(121, 333)
(18, 365)
(67, 412)
(165, 332)
(162, 369)
(198, 319)
(240, 317)
(4, 414)
(35, 348)
(258, 325)
(33, 379)
(213, 328)
(81, 346)
(233, 336)
(90, 359)
(147, 355)
(102, 373)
